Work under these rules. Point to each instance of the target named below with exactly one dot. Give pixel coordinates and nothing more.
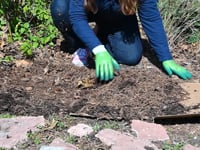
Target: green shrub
(29, 22)
(181, 19)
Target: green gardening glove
(105, 66)
(171, 67)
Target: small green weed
(111, 125)
(71, 139)
(7, 59)
(61, 125)
(7, 115)
(34, 138)
(97, 127)
(107, 124)
(168, 146)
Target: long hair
(90, 5)
(128, 7)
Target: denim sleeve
(152, 24)
(79, 22)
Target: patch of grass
(61, 125)
(97, 127)
(7, 115)
(107, 124)
(169, 146)
(34, 138)
(71, 139)
(111, 125)
(7, 59)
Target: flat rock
(121, 141)
(59, 144)
(149, 131)
(190, 147)
(80, 130)
(14, 130)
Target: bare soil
(51, 85)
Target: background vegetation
(29, 22)
(181, 19)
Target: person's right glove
(171, 67)
(105, 66)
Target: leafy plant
(7, 115)
(71, 139)
(111, 125)
(168, 146)
(29, 22)
(7, 59)
(34, 137)
(107, 124)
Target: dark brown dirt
(51, 84)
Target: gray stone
(80, 130)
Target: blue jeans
(122, 40)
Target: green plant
(60, 124)
(97, 127)
(29, 22)
(111, 124)
(2, 24)
(34, 137)
(107, 124)
(194, 37)
(181, 19)
(71, 139)
(168, 146)
(7, 115)
(7, 59)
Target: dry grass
(181, 19)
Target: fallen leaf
(86, 83)
(22, 63)
(2, 55)
(50, 125)
(2, 43)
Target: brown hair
(90, 5)
(128, 7)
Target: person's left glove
(171, 67)
(105, 66)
